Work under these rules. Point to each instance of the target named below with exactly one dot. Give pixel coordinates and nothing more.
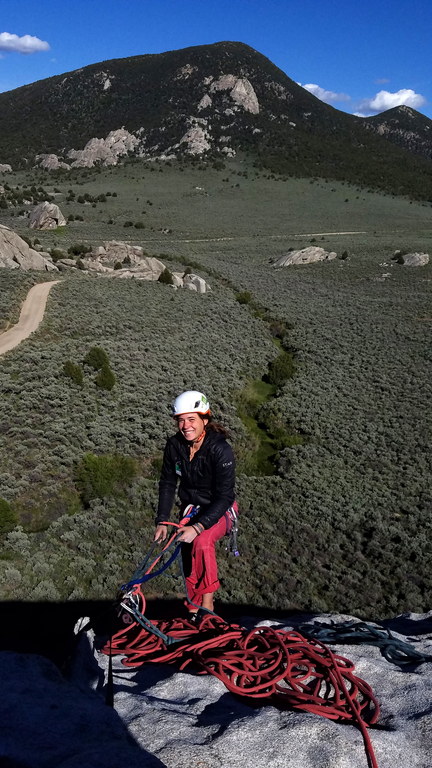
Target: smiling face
(192, 426)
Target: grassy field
(343, 521)
(208, 203)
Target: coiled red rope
(280, 666)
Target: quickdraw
(232, 530)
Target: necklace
(196, 446)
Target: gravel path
(31, 316)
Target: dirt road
(31, 315)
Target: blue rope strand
(140, 578)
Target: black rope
(356, 633)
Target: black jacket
(207, 480)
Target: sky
(361, 56)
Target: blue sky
(362, 56)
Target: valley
(349, 491)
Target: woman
(200, 457)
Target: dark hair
(214, 426)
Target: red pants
(199, 562)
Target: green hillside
(159, 97)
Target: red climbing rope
(280, 666)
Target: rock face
(196, 139)
(414, 259)
(164, 718)
(46, 216)
(205, 102)
(241, 91)
(305, 256)
(104, 151)
(15, 253)
(106, 743)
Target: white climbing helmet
(191, 402)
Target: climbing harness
(278, 666)
(358, 632)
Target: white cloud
(385, 100)
(328, 96)
(25, 44)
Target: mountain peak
(210, 101)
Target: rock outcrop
(119, 260)
(51, 162)
(305, 256)
(164, 718)
(205, 102)
(122, 260)
(414, 259)
(197, 139)
(240, 90)
(15, 253)
(46, 216)
(104, 151)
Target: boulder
(113, 251)
(66, 263)
(177, 279)
(5, 168)
(95, 265)
(305, 256)
(414, 259)
(195, 283)
(15, 253)
(51, 162)
(46, 216)
(149, 268)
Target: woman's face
(191, 425)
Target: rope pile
(280, 666)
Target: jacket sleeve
(167, 486)
(223, 484)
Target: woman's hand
(187, 534)
(161, 533)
